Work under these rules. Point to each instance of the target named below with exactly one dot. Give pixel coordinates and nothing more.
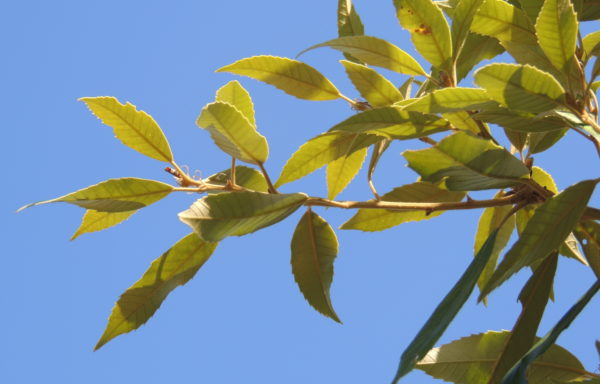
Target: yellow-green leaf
(115, 195)
(462, 17)
(476, 49)
(521, 87)
(463, 120)
(428, 29)
(217, 216)
(373, 87)
(591, 44)
(520, 121)
(175, 267)
(349, 23)
(245, 177)
(452, 100)
(233, 133)
(291, 76)
(236, 95)
(136, 129)
(556, 29)
(340, 172)
(314, 249)
(94, 221)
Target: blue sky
(242, 319)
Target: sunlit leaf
(217, 216)
(291, 76)
(349, 23)
(468, 162)
(136, 129)
(462, 17)
(369, 220)
(175, 267)
(236, 95)
(233, 133)
(340, 172)
(245, 177)
(591, 44)
(94, 221)
(476, 49)
(115, 195)
(373, 87)
(556, 28)
(314, 249)
(452, 100)
(520, 121)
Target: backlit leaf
(462, 17)
(556, 29)
(245, 177)
(340, 172)
(94, 221)
(588, 234)
(452, 100)
(520, 121)
(175, 267)
(476, 49)
(314, 249)
(541, 141)
(217, 216)
(591, 44)
(373, 87)
(349, 23)
(136, 129)
(291, 76)
(236, 95)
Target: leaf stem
(267, 178)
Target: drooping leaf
(469, 360)
(115, 195)
(373, 87)
(233, 133)
(314, 249)
(462, 17)
(245, 177)
(175, 267)
(452, 100)
(233, 93)
(476, 49)
(217, 216)
(291, 76)
(517, 374)
(428, 29)
(520, 121)
(340, 172)
(136, 129)
(322, 150)
(520, 87)
(374, 51)
(349, 23)
(393, 123)
(545, 231)
(468, 162)
(445, 312)
(369, 220)
(556, 29)
(94, 221)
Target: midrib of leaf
(560, 40)
(232, 138)
(92, 222)
(315, 256)
(123, 196)
(531, 33)
(295, 79)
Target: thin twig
(267, 178)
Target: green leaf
(521, 87)
(492, 220)
(245, 177)
(349, 23)
(136, 129)
(591, 44)
(556, 29)
(115, 195)
(393, 123)
(476, 49)
(428, 29)
(233, 93)
(175, 267)
(217, 216)
(291, 76)
(370, 220)
(374, 51)
(541, 141)
(340, 172)
(452, 100)
(94, 221)
(322, 150)
(517, 374)
(545, 231)
(470, 359)
(373, 87)
(588, 234)
(590, 10)
(233, 133)
(462, 17)
(520, 121)
(314, 249)
(464, 121)
(445, 311)
(468, 162)
(532, 8)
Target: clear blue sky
(242, 319)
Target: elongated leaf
(588, 234)
(468, 162)
(340, 172)
(374, 51)
(94, 221)
(470, 359)
(233, 93)
(314, 249)
(373, 87)
(452, 100)
(115, 195)
(476, 49)
(532, 8)
(517, 374)
(233, 133)
(463, 120)
(545, 231)
(445, 312)
(217, 216)
(591, 44)
(175, 267)
(291, 76)
(394, 123)
(349, 23)
(520, 121)
(556, 29)
(136, 129)
(428, 29)
(541, 141)
(369, 220)
(462, 17)
(245, 177)
(521, 87)
(322, 150)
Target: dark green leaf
(588, 234)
